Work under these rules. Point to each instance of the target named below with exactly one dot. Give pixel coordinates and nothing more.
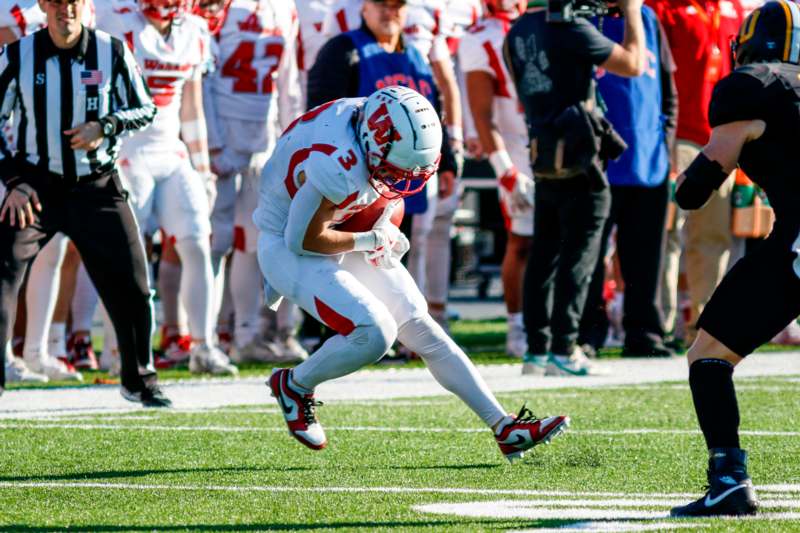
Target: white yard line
(45, 424)
(393, 490)
(371, 385)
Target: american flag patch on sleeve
(91, 77)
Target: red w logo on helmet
(380, 122)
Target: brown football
(366, 218)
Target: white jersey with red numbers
(24, 17)
(343, 16)
(167, 63)
(427, 28)
(322, 146)
(255, 65)
(482, 49)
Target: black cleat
(150, 396)
(729, 492)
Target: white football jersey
(482, 49)
(462, 14)
(255, 62)
(427, 28)
(321, 145)
(166, 63)
(343, 16)
(311, 15)
(24, 17)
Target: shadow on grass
(116, 474)
(112, 474)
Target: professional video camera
(567, 10)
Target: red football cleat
(299, 410)
(524, 431)
(81, 353)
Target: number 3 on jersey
(240, 67)
(348, 160)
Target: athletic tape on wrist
(193, 131)
(501, 162)
(364, 241)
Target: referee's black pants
(95, 214)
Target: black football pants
(97, 217)
(639, 213)
(569, 218)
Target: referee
(71, 92)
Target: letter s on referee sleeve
(136, 110)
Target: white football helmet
(401, 136)
(166, 10)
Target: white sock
(197, 287)
(515, 319)
(57, 340)
(246, 291)
(84, 301)
(340, 355)
(44, 279)
(451, 367)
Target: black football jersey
(769, 92)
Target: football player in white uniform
(426, 28)
(503, 135)
(254, 86)
(311, 16)
(353, 281)
(167, 166)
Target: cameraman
(551, 56)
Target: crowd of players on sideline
(232, 78)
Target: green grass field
(236, 469)
(413, 464)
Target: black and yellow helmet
(770, 33)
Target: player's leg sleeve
(450, 366)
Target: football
(366, 218)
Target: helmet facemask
(164, 10)
(401, 136)
(214, 12)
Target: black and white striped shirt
(45, 90)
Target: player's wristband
(501, 163)
(455, 133)
(364, 241)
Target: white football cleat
(518, 434)
(54, 369)
(18, 372)
(210, 359)
(299, 410)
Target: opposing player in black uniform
(755, 116)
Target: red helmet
(214, 12)
(515, 7)
(165, 10)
